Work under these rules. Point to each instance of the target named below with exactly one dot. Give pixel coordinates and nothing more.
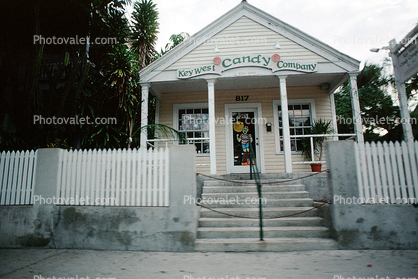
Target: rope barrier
(277, 217)
(254, 183)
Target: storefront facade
(248, 80)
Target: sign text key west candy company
(271, 62)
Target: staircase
(222, 233)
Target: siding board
(245, 36)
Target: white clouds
(351, 26)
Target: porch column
(403, 100)
(211, 106)
(285, 122)
(334, 115)
(144, 114)
(157, 119)
(355, 106)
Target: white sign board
(273, 62)
(408, 62)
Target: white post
(285, 121)
(334, 115)
(403, 101)
(157, 119)
(211, 106)
(355, 105)
(144, 113)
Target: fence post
(182, 182)
(342, 164)
(46, 176)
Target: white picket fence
(387, 173)
(17, 177)
(137, 177)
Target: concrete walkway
(78, 264)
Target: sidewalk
(78, 264)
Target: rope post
(253, 164)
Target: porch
(283, 108)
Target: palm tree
(174, 41)
(144, 31)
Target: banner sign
(273, 62)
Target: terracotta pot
(316, 167)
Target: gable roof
(344, 62)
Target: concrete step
(253, 203)
(252, 195)
(269, 232)
(243, 182)
(253, 212)
(282, 222)
(268, 245)
(253, 188)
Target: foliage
(375, 104)
(174, 41)
(319, 127)
(412, 87)
(161, 130)
(144, 31)
(59, 143)
(101, 82)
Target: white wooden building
(248, 67)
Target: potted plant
(319, 127)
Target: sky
(350, 26)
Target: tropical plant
(319, 127)
(375, 103)
(144, 31)
(174, 41)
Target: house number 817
(242, 98)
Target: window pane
(196, 121)
(205, 147)
(299, 123)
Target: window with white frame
(193, 121)
(301, 115)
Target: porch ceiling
(247, 82)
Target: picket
(3, 176)
(389, 177)
(24, 180)
(383, 178)
(31, 177)
(387, 172)
(378, 183)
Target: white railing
(17, 177)
(313, 151)
(387, 173)
(166, 141)
(137, 177)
